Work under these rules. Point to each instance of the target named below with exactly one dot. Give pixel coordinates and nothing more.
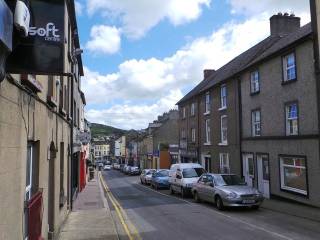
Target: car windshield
(163, 174)
(192, 172)
(228, 180)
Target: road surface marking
(222, 214)
(121, 213)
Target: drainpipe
(240, 132)
(70, 172)
(314, 8)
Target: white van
(183, 175)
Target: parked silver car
(146, 176)
(226, 190)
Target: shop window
(293, 174)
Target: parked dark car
(160, 179)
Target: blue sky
(141, 57)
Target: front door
(28, 189)
(248, 168)
(263, 175)
(206, 163)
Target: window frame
(304, 193)
(192, 109)
(222, 130)
(284, 62)
(253, 132)
(223, 97)
(287, 104)
(184, 113)
(183, 133)
(254, 91)
(208, 132)
(207, 103)
(193, 135)
(222, 164)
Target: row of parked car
(223, 190)
(126, 169)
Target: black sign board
(42, 52)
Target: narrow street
(158, 215)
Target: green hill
(103, 130)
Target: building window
(192, 112)
(62, 193)
(224, 163)
(223, 97)
(208, 132)
(207, 107)
(183, 134)
(224, 129)
(255, 82)
(193, 134)
(183, 112)
(251, 166)
(293, 174)
(292, 119)
(61, 97)
(256, 123)
(289, 67)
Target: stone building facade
(39, 115)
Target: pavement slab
(90, 218)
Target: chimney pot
(284, 24)
(207, 73)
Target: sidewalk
(293, 209)
(90, 218)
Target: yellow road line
(121, 213)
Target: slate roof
(261, 51)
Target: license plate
(248, 201)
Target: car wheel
(171, 190)
(156, 186)
(219, 203)
(183, 194)
(196, 197)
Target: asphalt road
(159, 215)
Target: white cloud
(148, 80)
(248, 7)
(129, 116)
(139, 16)
(104, 39)
(79, 8)
(152, 78)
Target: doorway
(263, 175)
(248, 168)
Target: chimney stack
(207, 73)
(283, 24)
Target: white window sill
(207, 144)
(206, 113)
(223, 144)
(222, 108)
